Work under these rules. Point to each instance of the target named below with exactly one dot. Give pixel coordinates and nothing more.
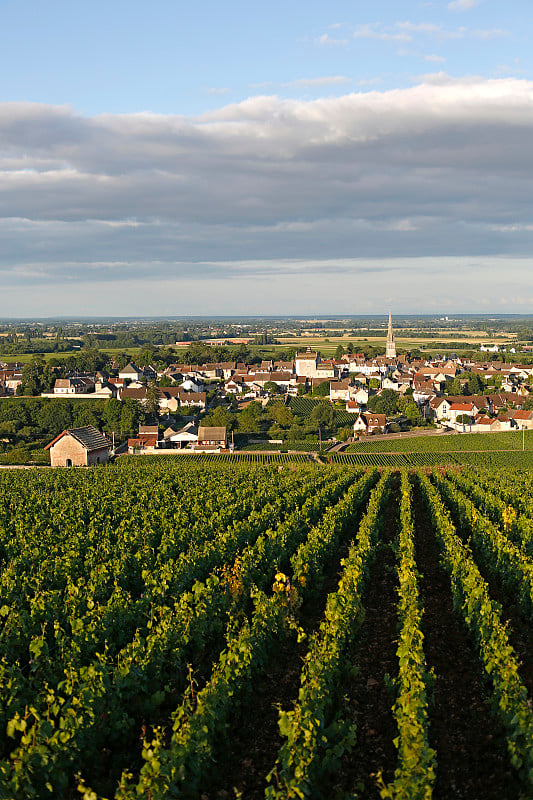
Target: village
(203, 407)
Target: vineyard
(234, 627)
(304, 406)
(511, 440)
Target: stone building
(307, 364)
(79, 447)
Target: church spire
(390, 351)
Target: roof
(522, 415)
(143, 440)
(151, 429)
(375, 419)
(461, 407)
(134, 394)
(211, 434)
(89, 437)
(131, 368)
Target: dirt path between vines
(373, 655)
(519, 630)
(254, 738)
(472, 761)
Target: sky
(279, 158)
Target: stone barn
(79, 447)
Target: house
(370, 423)
(149, 430)
(186, 436)
(375, 422)
(73, 386)
(211, 439)
(104, 390)
(483, 424)
(131, 373)
(353, 407)
(11, 376)
(306, 364)
(133, 394)
(339, 390)
(79, 447)
(188, 385)
(143, 443)
(462, 409)
(522, 419)
(360, 396)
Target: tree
(111, 415)
(384, 403)
(36, 376)
(281, 414)
(248, 421)
(339, 352)
(152, 399)
(322, 390)
(131, 415)
(272, 387)
(456, 388)
(323, 415)
(410, 410)
(276, 431)
(148, 354)
(220, 418)
(475, 384)
(345, 433)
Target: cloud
(328, 80)
(375, 32)
(407, 31)
(217, 90)
(462, 5)
(438, 170)
(328, 40)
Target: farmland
(183, 628)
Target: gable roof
(89, 437)
(209, 434)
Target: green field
(221, 626)
(509, 440)
(24, 358)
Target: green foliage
(322, 390)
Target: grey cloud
(442, 168)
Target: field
(222, 628)
(25, 358)
(452, 443)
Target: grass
(24, 358)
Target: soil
(373, 659)
(472, 760)
(518, 625)
(254, 738)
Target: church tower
(390, 351)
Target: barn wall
(68, 447)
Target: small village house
(79, 447)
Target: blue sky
(255, 158)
